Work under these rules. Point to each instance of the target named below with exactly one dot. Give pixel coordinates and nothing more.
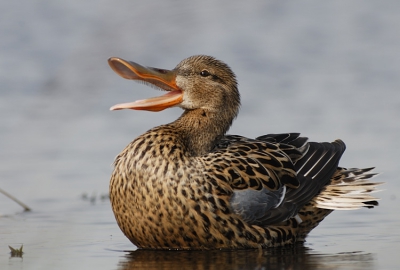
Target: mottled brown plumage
(187, 185)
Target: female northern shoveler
(187, 185)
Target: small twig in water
(16, 252)
(26, 208)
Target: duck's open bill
(164, 79)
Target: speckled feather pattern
(187, 185)
(163, 199)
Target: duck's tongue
(164, 79)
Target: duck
(188, 185)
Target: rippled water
(328, 69)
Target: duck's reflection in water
(296, 257)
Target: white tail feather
(348, 190)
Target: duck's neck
(200, 129)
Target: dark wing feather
(314, 171)
(274, 175)
(252, 204)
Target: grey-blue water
(327, 69)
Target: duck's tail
(349, 189)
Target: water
(328, 69)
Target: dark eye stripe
(206, 73)
(217, 79)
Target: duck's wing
(314, 171)
(257, 164)
(273, 175)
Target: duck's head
(197, 82)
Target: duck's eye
(205, 73)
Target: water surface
(327, 69)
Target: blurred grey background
(327, 69)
